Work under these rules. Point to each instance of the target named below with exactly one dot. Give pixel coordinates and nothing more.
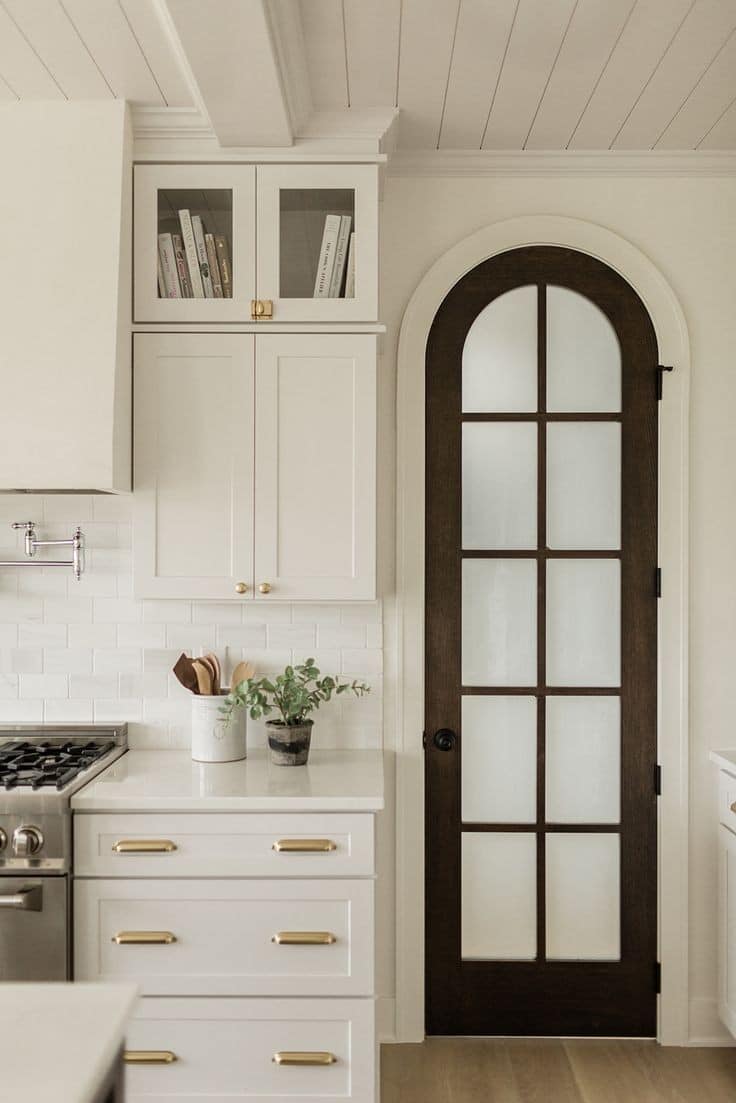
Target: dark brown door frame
(539, 997)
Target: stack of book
(335, 277)
(194, 264)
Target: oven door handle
(29, 899)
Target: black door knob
(444, 739)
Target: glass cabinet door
(318, 242)
(194, 243)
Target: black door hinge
(658, 780)
(658, 582)
(660, 375)
(657, 977)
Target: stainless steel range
(41, 766)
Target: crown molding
(450, 162)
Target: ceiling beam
(231, 53)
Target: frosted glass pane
(499, 895)
(499, 618)
(500, 355)
(499, 485)
(582, 759)
(499, 759)
(583, 355)
(583, 622)
(583, 485)
(583, 897)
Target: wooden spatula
(242, 673)
(185, 673)
(204, 678)
(217, 671)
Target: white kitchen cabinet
(255, 482)
(223, 197)
(727, 928)
(193, 464)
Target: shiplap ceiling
(532, 74)
(465, 74)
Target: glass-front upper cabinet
(195, 247)
(318, 242)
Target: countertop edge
(225, 804)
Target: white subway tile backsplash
(8, 635)
(71, 711)
(141, 635)
(241, 635)
(362, 662)
(311, 613)
(96, 584)
(264, 612)
(118, 660)
(67, 509)
(21, 712)
(160, 658)
(143, 685)
(44, 685)
(8, 686)
(21, 660)
(31, 634)
(93, 635)
(367, 612)
(72, 610)
(123, 710)
(20, 608)
(341, 635)
(166, 612)
(193, 637)
(111, 507)
(67, 660)
(204, 612)
(299, 637)
(93, 685)
(121, 610)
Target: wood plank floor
(524, 1070)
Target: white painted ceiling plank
(712, 96)
(21, 68)
(589, 42)
(324, 36)
(427, 33)
(105, 31)
(643, 42)
(6, 92)
(235, 66)
(483, 31)
(699, 39)
(535, 41)
(723, 134)
(55, 40)
(285, 18)
(372, 41)
(146, 25)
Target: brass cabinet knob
(241, 587)
(265, 588)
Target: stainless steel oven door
(34, 913)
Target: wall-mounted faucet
(32, 544)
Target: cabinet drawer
(220, 938)
(223, 845)
(225, 1049)
(727, 800)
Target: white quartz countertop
(156, 781)
(60, 1041)
(726, 760)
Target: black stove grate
(45, 765)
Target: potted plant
(294, 694)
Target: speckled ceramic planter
(289, 743)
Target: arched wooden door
(541, 652)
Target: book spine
(168, 267)
(223, 260)
(209, 241)
(161, 285)
(181, 266)
(326, 260)
(350, 274)
(187, 236)
(204, 264)
(341, 255)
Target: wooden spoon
(185, 673)
(217, 681)
(243, 672)
(206, 661)
(204, 678)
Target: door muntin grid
(541, 622)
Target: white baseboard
(386, 1019)
(706, 1029)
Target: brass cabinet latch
(260, 309)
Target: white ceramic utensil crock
(214, 738)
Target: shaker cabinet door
(193, 471)
(315, 467)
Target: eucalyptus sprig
(294, 694)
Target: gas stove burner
(42, 765)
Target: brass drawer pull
(304, 938)
(149, 1057)
(144, 938)
(295, 1057)
(304, 846)
(143, 846)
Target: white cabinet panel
(193, 477)
(224, 1050)
(727, 927)
(222, 936)
(223, 196)
(294, 202)
(315, 466)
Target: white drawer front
(216, 938)
(727, 800)
(225, 1050)
(222, 845)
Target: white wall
(687, 227)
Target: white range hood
(65, 278)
